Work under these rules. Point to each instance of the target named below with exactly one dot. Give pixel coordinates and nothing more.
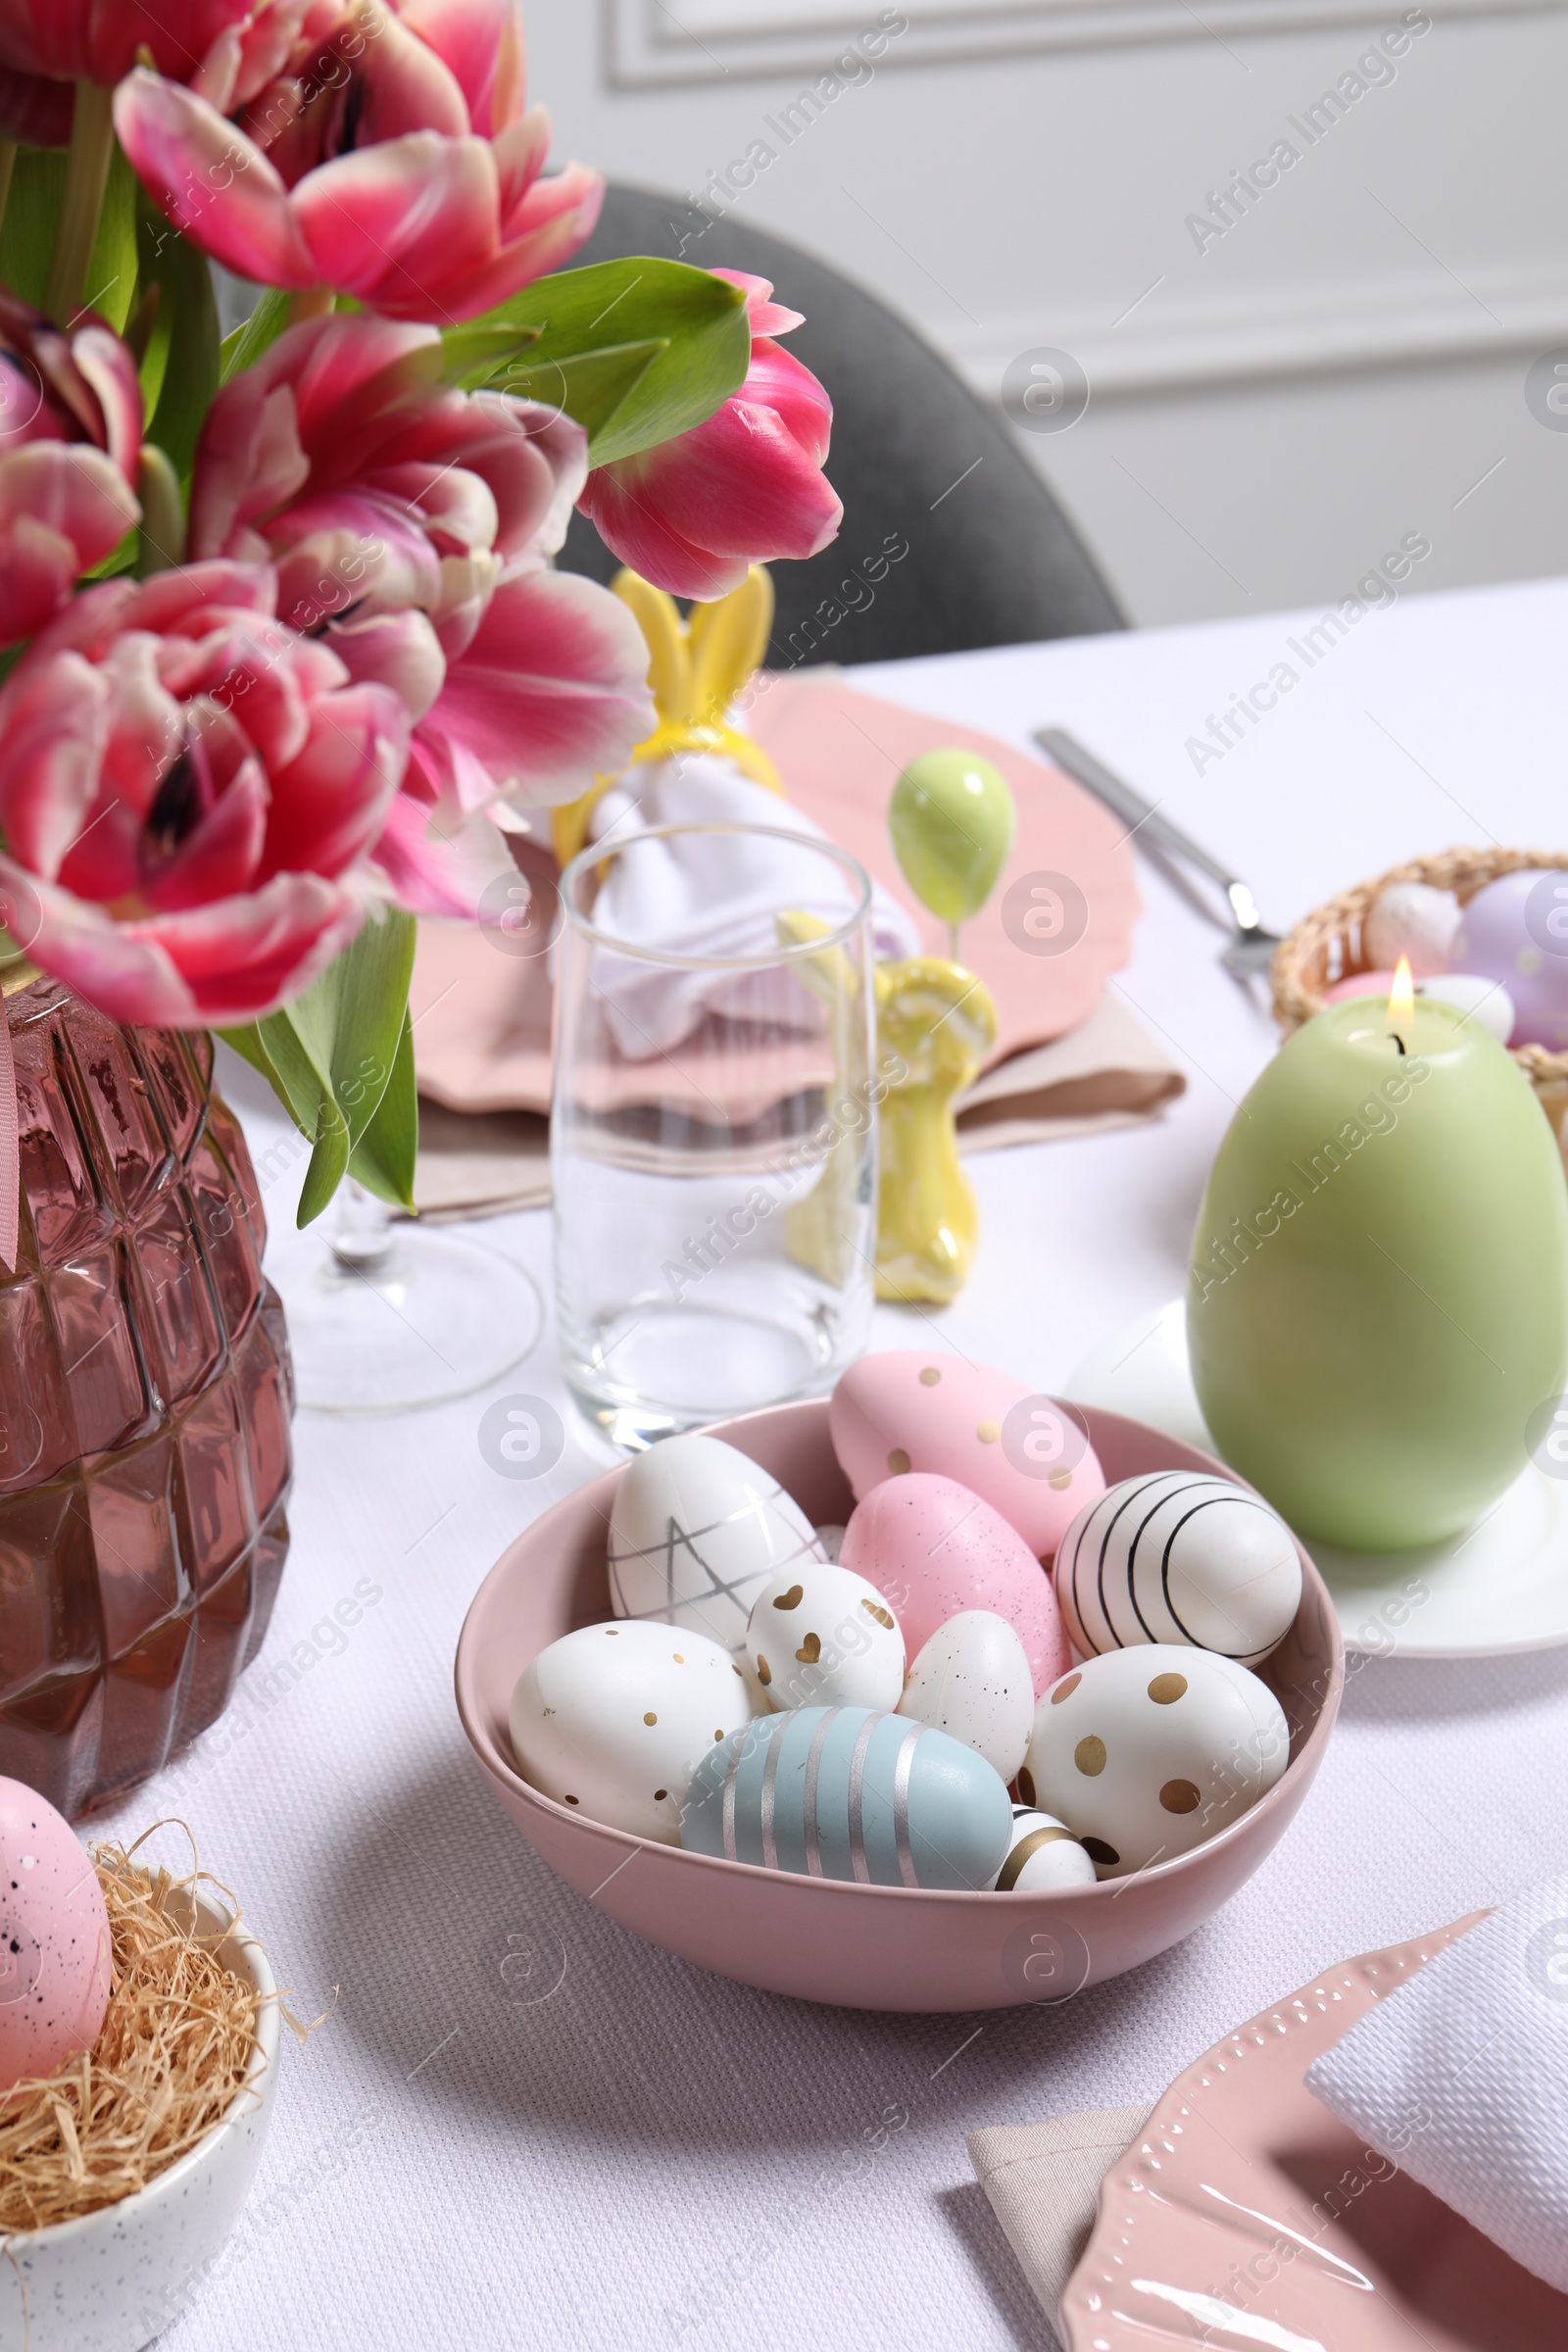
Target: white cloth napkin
(712, 897)
(1461, 2078)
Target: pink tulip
(746, 486)
(228, 48)
(69, 439)
(410, 525)
(391, 159)
(189, 793)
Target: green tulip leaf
(670, 344)
(179, 364)
(111, 268)
(334, 1055)
(244, 345)
(27, 232)
(383, 1158)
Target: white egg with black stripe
(1041, 1853)
(1178, 1556)
(844, 1792)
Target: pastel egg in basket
(828, 1940)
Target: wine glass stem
(362, 1239)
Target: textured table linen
(522, 2129)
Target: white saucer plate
(1500, 1589)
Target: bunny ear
(669, 662)
(829, 975)
(728, 640)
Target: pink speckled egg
(934, 1549)
(55, 1951)
(1026, 1454)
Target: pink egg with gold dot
(1026, 1454)
(933, 1549)
(55, 1948)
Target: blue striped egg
(844, 1792)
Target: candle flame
(1402, 997)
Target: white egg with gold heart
(820, 1636)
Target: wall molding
(1401, 323)
(648, 44)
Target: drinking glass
(713, 1124)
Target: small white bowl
(114, 2279)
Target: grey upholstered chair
(917, 459)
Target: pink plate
(868, 1947)
(482, 1018)
(1249, 2214)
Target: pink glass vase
(145, 1394)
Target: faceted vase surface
(145, 1395)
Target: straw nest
(1327, 945)
(176, 2045)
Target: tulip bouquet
(281, 640)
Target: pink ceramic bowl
(868, 1947)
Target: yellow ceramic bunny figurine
(938, 1022)
(696, 669)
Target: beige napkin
(1107, 1072)
(1044, 2181)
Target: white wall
(1341, 368)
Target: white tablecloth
(650, 2156)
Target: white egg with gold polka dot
(820, 1636)
(1179, 1556)
(1144, 1752)
(1044, 1854)
(613, 1720)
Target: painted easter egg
(55, 1948)
(931, 1549)
(1144, 1752)
(821, 1635)
(1515, 930)
(696, 1530)
(972, 1681)
(1026, 1454)
(1041, 1853)
(950, 819)
(613, 1720)
(1177, 1555)
(844, 1792)
(1414, 920)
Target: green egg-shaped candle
(1378, 1296)
(951, 820)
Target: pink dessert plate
(482, 1008)
(822, 1939)
(1248, 2215)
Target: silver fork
(1251, 948)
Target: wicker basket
(1325, 945)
